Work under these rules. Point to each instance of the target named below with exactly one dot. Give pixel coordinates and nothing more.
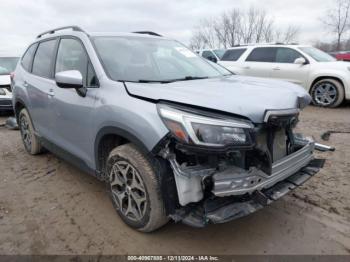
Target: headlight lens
(206, 131)
(2, 92)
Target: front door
(73, 111)
(286, 69)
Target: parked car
(341, 56)
(213, 55)
(327, 80)
(172, 135)
(7, 66)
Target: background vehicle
(7, 66)
(213, 55)
(341, 56)
(327, 80)
(171, 134)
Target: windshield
(219, 53)
(317, 54)
(141, 59)
(7, 65)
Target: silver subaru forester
(174, 136)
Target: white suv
(327, 80)
(213, 55)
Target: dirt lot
(49, 207)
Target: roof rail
(147, 33)
(52, 31)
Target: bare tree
(337, 19)
(288, 35)
(239, 27)
(204, 35)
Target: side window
(233, 54)
(262, 54)
(28, 56)
(72, 56)
(43, 58)
(287, 55)
(209, 55)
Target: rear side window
(263, 54)
(287, 55)
(43, 59)
(28, 56)
(72, 56)
(233, 54)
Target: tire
(327, 93)
(30, 140)
(135, 189)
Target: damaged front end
(225, 168)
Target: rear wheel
(135, 189)
(30, 140)
(327, 93)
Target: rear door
(39, 85)
(259, 62)
(72, 110)
(231, 58)
(286, 69)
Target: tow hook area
(223, 209)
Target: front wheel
(30, 140)
(135, 189)
(327, 93)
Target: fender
(112, 130)
(332, 74)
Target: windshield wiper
(186, 78)
(153, 81)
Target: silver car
(173, 135)
(7, 66)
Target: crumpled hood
(245, 96)
(5, 80)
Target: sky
(22, 21)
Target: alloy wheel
(25, 132)
(128, 190)
(325, 93)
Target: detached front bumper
(5, 104)
(223, 209)
(236, 181)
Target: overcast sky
(21, 21)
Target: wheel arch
(335, 78)
(107, 139)
(19, 105)
(319, 78)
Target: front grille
(5, 103)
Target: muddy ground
(49, 207)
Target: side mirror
(300, 61)
(69, 79)
(213, 59)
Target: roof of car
(75, 30)
(267, 45)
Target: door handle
(25, 84)
(246, 67)
(276, 68)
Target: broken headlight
(202, 130)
